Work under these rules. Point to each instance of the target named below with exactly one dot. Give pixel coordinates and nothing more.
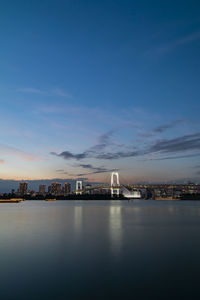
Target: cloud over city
(182, 144)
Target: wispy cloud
(180, 144)
(164, 127)
(98, 150)
(171, 45)
(174, 157)
(184, 144)
(101, 169)
(187, 144)
(58, 92)
(69, 155)
(2, 161)
(103, 142)
(90, 114)
(118, 155)
(7, 150)
(32, 91)
(95, 170)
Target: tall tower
(79, 187)
(114, 184)
(23, 188)
(42, 189)
(67, 188)
(56, 188)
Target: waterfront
(99, 249)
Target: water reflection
(78, 218)
(171, 209)
(100, 250)
(115, 229)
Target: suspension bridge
(115, 188)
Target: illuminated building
(23, 188)
(42, 189)
(56, 188)
(49, 189)
(88, 189)
(67, 188)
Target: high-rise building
(42, 189)
(67, 188)
(23, 188)
(56, 188)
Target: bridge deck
(108, 187)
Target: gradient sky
(87, 87)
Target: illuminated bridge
(115, 187)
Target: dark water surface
(100, 250)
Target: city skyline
(79, 190)
(89, 88)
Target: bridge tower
(79, 187)
(114, 184)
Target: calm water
(100, 250)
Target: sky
(89, 87)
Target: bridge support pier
(114, 185)
(79, 187)
(114, 192)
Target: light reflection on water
(100, 250)
(78, 215)
(115, 223)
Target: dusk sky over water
(87, 87)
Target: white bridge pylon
(115, 185)
(79, 187)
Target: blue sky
(87, 87)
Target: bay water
(140, 249)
